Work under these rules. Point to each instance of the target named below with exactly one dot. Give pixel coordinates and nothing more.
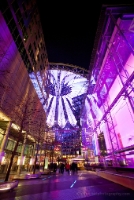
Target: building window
(12, 25)
(15, 34)
(8, 16)
(24, 7)
(25, 35)
(10, 145)
(15, 6)
(18, 15)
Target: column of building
(4, 141)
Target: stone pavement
(84, 185)
(23, 174)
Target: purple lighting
(63, 87)
(109, 105)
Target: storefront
(80, 162)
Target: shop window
(19, 148)
(26, 151)
(10, 145)
(1, 135)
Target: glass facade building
(84, 112)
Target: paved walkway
(123, 173)
(84, 185)
(21, 176)
(12, 174)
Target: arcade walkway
(84, 185)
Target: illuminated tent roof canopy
(67, 86)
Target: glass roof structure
(66, 89)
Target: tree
(18, 98)
(29, 113)
(40, 139)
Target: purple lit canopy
(66, 87)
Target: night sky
(69, 30)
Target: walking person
(59, 166)
(73, 167)
(76, 168)
(67, 167)
(62, 168)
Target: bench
(31, 176)
(26, 176)
(121, 169)
(9, 185)
(94, 168)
